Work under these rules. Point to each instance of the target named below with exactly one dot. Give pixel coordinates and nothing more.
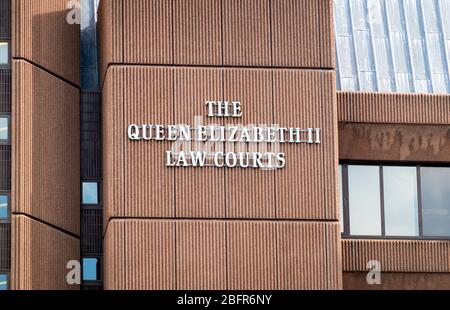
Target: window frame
(7, 65)
(345, 193)
(8, 217)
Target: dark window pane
(90, 269)
(400, 201)
(3, 207)
(435, 186)
(3, 282)
(90, 193)
(364, 200)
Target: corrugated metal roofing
(393, 45)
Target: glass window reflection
(90, 193)
(400, 201)
(3, 207)
(91, 269)
(3, 282)
(364, 200)
(435, 187)
(4, 132)
(4, 53)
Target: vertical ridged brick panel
(110, 34)
(112, 138)
(306, 188)
(205, 254)
(46, 149)
(193, 186)
(251, 192)
(357, 107)
(251, 255)
(396, 255)
(309, 255)
(42, 35)
(279, 33)
(302, 33)
(212, 228)
(39, 255)
(114, 255)
(201, 255)
(197, 32)
(147, 31)
(137, 182)
(143, 257)
(246, 33)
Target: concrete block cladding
(46, 145)
(279, 33)
(267, 229)
(43, 37)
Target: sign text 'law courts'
(250, 139)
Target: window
(4, 53)
(435, 183)
(90, 193)
(395, 201)
(400, 201)
(4, 128)
(364, 200)
(3, 282)
(91, 269)
(4, 207)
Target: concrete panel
(394, 142)
(229, 32)
(396, 255)
(197, 32)
(192, 254)
(398, 281)
(302, 33)
(251, 193)
(39, 255)
(46, 147)
(393, 108)
(144, 186)
(193, 186)
(42, 35)
(140, 255)
(201, 255)
(306, 188)
(246, 33)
